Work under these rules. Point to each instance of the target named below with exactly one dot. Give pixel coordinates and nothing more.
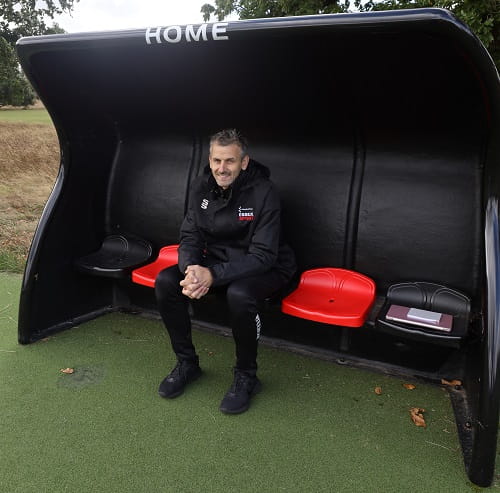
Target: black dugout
(381, 131)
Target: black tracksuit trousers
(243, 296)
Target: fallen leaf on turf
(417, 416)
(67, 370)
(409, 386)
(452, 383)
(378, 390)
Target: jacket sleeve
(263, 249)
(192, 243)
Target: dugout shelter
(381, 131)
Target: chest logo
(245, 214)
(204, 204)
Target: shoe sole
(181, 391)
(256, 390)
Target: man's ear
(245, 161)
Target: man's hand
(197, 281)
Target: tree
(29, 17)
(482, 16)
(14, 88)
(23, 18)
(253, 9)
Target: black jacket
(235, 232)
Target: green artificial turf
(316, 426)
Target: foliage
(23, 18)
(482, 16)
(29, 17)
(252, 9)
(14, 88)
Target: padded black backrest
(418, 202)
(149, 186)
(151, 179)
(421, 201)
(313, 179)
(419, 212)
(429, 296)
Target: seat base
(332, 296)
(428, 296)
(147, 274)
(117, 257)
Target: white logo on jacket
(245, 214)
(204, 204)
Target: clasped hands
(197, 281)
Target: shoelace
(176, 372)
(240, 382)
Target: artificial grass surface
(316, 427)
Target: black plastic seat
(118, 256)
(432, 297)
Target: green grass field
(35, 115)
(316, 426)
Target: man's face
(226, 163)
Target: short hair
(228, 137)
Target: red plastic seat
(332, 296)
(146, 274)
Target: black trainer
(175, 382)
(237, 398)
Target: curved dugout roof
(263, 72)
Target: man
(230, 239)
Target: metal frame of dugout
(381, 131)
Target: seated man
(230, 238)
